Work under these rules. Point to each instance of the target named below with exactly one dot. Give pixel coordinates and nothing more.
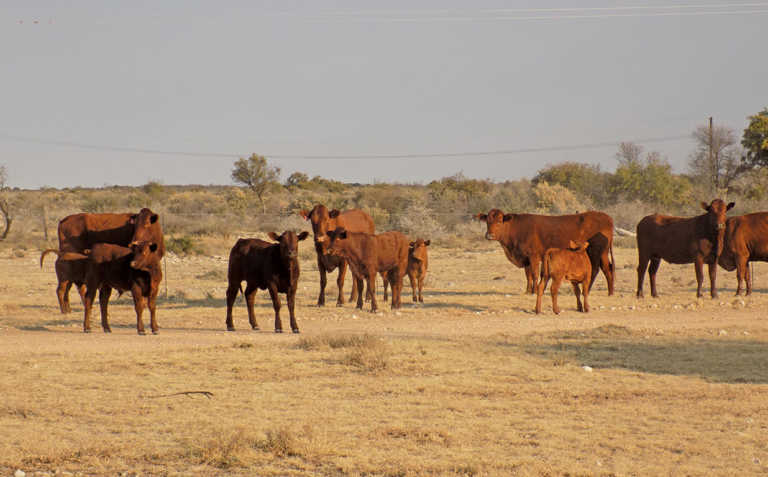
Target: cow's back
(354, 220)
(251, 259)
(747, 235)
(81, 231)
(541, 232)
(392, 250)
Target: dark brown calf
(80, 232)
(571, 264)
(267, 266)
(746, 240)
(368, 255)
(135, 268)
(679, 240)
(323, 220)
(70, 269)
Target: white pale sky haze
(99, 93)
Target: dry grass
(471, 382)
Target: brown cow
(323, 220)
(369, 255)
(268, 266)
(746, 240)
(679, 240)
(107, 266)
(79, 232)
(417, 268)
(70, 269)
(525, 237)
(571, 264)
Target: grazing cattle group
(101, 252)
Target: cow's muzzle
(720, 226)
(490, 236)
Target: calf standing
(571, 264)
(417, 266)
(107, 266)
(368, 255)
(268, 266)
(70, 269)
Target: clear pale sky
(349, 78)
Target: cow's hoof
(154, 332)
(340, 305)
(255, 328)
(278, 331)
(86, 331)
(230, 328)
(142, 333)
(295, 330)
(107, 330)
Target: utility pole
(712, 159)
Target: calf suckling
(107, 266)
(267, 266)
(570, 264)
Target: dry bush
(227, 448)
(557, 200)
(419, 221)
(364, 352)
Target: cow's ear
(481, 217)
(274, 236)
(572, 245)
(342, 234)
(132, 220)
(508, 217)
(427, 242)
(412, 244)
(153, 247)
(730, 205)
(153, 219)
(334, 213)
(584, 246)
(305, 214)
(704, 206)
(303, 235)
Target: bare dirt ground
(471, 382)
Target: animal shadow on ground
(610, 346)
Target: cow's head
(335, 240)
(322, 221)
(418, 249)
(494, 220)
(146, 226)
(716, 219)
(289, 243)
(578, 246)
(144, 256)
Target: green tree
(755, 140)
(715, 163)
(584, 180)
(297, 179)
(650, 179)
(257, 175)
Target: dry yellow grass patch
(472, 382)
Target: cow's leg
(652, 269)
(90, 295)
(421, 278)
(553, 290)
(340, 284)
(323, 280)
(360, 286)
(608, 272)
(385, 278)
(62, 295)
(713, 279)
(540, 292)
(104, 293)
(742, 273)
(138, 305)
(371, 280)
(396, 281)
(535, 262)
(232, 290)
(585, 289)
(250, 298)
(529, 287)
(577, 292)
(414, 280)
(748, 277)
(642, 266)
(698, 265)
(152, 303)
(291, 298)
(275, 296)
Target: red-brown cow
(746, 240)
(571, 264)
(369, 255)
(107, 266)
(70, 269)
(525, 237)
(267, 266)
(418, 262)
(80, 232)
(679, 240)
(323, 220)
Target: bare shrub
(226, 449)
(556, 199)
(419, 221)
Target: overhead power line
(427, 155)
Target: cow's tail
(46, 252)
(612, 265)
(544, 267)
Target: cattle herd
(102, 252)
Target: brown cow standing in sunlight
(80, 232)
(746, 240)
(323, 220)
(368, 255)
(680, 240)
(267, 266)
(570, 264)
(525, 237)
